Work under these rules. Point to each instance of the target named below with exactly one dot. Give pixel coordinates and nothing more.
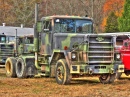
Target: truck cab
(23, 47)
(6, 49)
(65, 47)
(25, 44)
(125, 55)
(69, 49)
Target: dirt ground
(47, 87)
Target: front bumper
(95, 69)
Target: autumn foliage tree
(124, 20)
(15, 12)
(115, 6)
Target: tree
(124, 20)
(18, 12)
(113, 5)
(76, 7)
(4, 10)
(23, 11)
(111, 23)
(109, 6)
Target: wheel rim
(60, 73)
(8, 67)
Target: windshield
(26, 40)
(10, 39)
(2, 39)
(29, 40)
(73, 25)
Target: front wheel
(62, 72)
(107, 78)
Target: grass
(47, 87)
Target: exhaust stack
(36, 47)
(36, 39)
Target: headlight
(118, 56)
(73, 55)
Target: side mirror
(126, 44)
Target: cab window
(47, 25)
(2, 39)
(65, 25)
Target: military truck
(23, 46)
(6, 49)
(63, 52)
(66, 48)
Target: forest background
(106, 14)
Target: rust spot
(43, 68)
(42, 49)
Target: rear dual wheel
(10, 67)
(25, 71)
(20, 68)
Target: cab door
(46, 38)
(125, 53)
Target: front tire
(10, 67)
(62, 72)
(107, 78)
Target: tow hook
(112, 70)
(90, 71)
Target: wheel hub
(104, 76)
(60, 73)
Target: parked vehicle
(6, 49)
(125, 56)
(24, 46)
(66, 48)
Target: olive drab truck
(66, 48)
(6, 49)
(24, 46)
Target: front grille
(100, 49)
(6, 50)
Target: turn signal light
(65, 48)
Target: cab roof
(65, 16)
